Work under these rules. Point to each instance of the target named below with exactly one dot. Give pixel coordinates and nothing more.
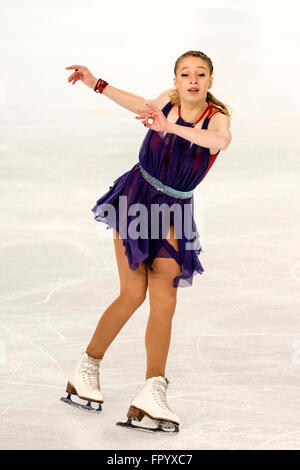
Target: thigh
(131, 282)
(160, 280)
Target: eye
(185, 74)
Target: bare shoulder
(218, 120)
(161, 100)
(220, 123)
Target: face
(192, 72)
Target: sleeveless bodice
(172, 159)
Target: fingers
(144, 119)
(72, 67)
(74, 78)
(74, 75)
(145, 116)
(145, 112)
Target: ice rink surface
(234, 359)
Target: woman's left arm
(218, 135)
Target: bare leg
(133, 289)
(162, 297)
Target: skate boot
(85, 383)
(151, 401)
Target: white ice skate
(85, 383)
(151, 401)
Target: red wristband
(100, 85)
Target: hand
(160, 122)
(82, 74)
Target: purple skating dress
(167, 165)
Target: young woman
(189, 128)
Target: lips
(193, 89)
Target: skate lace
(159, 393)
(89, 372)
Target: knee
(166, 303)
(133, 296)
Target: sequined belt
(163, 187)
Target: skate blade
(162, 426)
(87, 407)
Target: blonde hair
(210, 98)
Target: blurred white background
(134, 45)
(234, 357)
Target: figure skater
(179, 148)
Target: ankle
(94, 354)
(156, 374)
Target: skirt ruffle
(136, 189)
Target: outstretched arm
(123, 98)
(134, 102)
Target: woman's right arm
(123, 98)
(134, 102)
